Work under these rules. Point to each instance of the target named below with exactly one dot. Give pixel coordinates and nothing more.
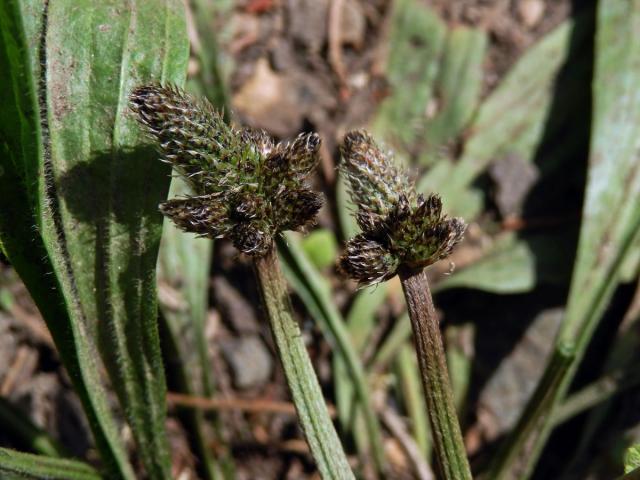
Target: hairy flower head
(399, 227)
(247, 188)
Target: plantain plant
(80, 186)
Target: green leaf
(523, 112)
(321, 247)
(435, 74)
(632, 458)
(630, 269)
(613, 184)
(509, 267)
(606, 239)
(100, 219)
(416, 42)
(515, 265)
(360, 323)
(413, 398)
(26, 465)
(83, 177)
(21, 160)
(457, 88)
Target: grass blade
(309, 285)
(183, 266)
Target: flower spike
(399, 227)
(248, 189)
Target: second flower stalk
(402, 233)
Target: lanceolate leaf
(360, 322)
(21, 159)
(416, 42)
(515, 264)
(457, 88)
(26, 465)
(530, 106)
(610, 218)
(101, 223)
(435, 76)
(80, 173)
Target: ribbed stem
(307, 396)
(445, 427)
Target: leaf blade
(39, 466)
(92, 63)
(22, 242)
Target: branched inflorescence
(399, 227)
(247, 188)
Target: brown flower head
(399, 227)
(247, 188)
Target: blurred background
(492, 104)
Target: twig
(396, 426)
(335, 42)
(23, 355)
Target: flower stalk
(447, 437)
(402, 233)
(248, 189)
(305, 389)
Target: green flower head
(246, 187)
(399, 227)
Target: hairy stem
(303, 383)
(445, 427)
